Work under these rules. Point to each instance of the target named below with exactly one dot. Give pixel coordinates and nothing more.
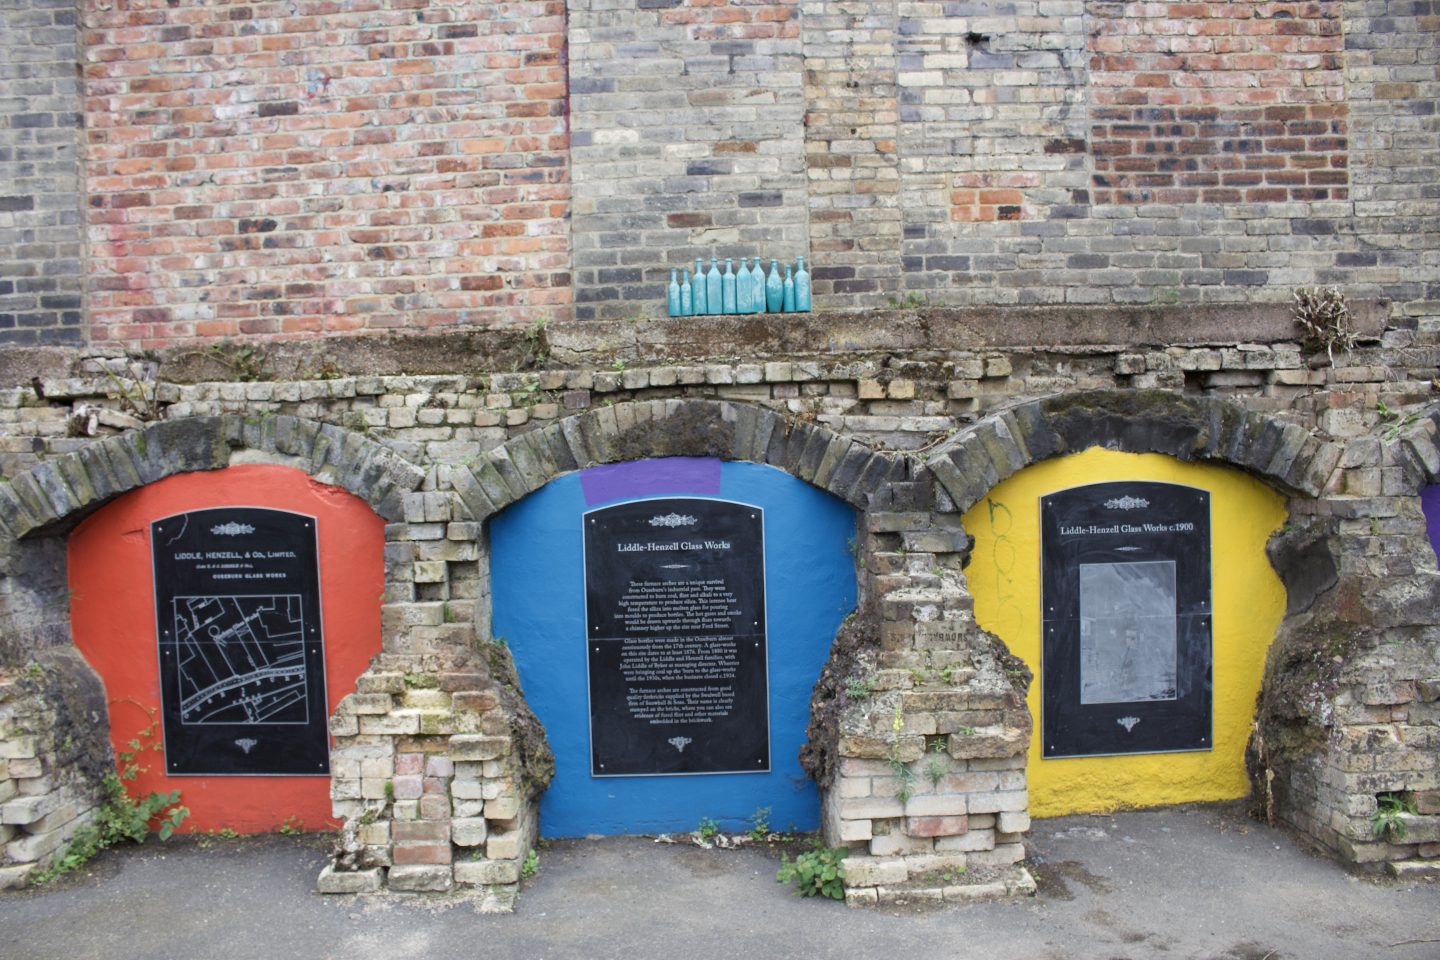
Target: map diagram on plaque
(241, 660)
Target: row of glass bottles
(748, 291)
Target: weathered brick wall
(851, 152)
(292, 169)
(686, 141)
(911, 425)
(41, 239)
(1217, 102)
(992, 134)
(258, 171)
(1392, 237)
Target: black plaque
(242, 666)
(1126, 619)
(675, 616)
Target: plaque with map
(675, 622)
(1127, 619)
(242, 667)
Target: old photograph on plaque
(1126, 658)
(242, 667)
(676, 644)
(1127, 631)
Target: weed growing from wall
(121, 817)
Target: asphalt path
(1189, 883)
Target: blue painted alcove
(538, 584)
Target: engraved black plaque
(675, 616)
(1126, 619)
(242, 667)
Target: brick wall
(851, 152)
(1220, 102)
(258, 171)
(992, 130)
(288, 169)
(1392, 74)
(687, 140)
(41, 240)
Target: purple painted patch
(647, 478)
(1430, 504)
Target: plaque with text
(242, 666)
(1127, 619)
(675, 623)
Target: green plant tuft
(121, 817)
(1387, 816)
(760, 824)
(531, 866)
(818, 873)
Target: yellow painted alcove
(1248, 603)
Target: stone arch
(1417, 448)
(676, 428)
(40, 506)
(1284, 454)
(61, 490)
(846, 469)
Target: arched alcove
(1136, 669)
(668, 619)
(264, 589)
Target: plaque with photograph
(675, 621)
(1126, 619)
(242, 666)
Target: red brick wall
(282, 169)
(1217, 102)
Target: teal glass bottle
(757, 278)
(788, 305)
(744, 288)
(672, 295)
(687, 302)
(802, 287)
(714, 288)
(774, 289)
(727, 287)
(697, 296)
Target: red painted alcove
(112, 611)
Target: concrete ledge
(939, 328)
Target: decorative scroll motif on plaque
(1127, 503)
(232, 529)
(242, 667)
(672, 520)
(675, 624)
(1128, 723)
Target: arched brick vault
(1284, 454)
(674, 428)
(59, 491)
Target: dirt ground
(1188, 883)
